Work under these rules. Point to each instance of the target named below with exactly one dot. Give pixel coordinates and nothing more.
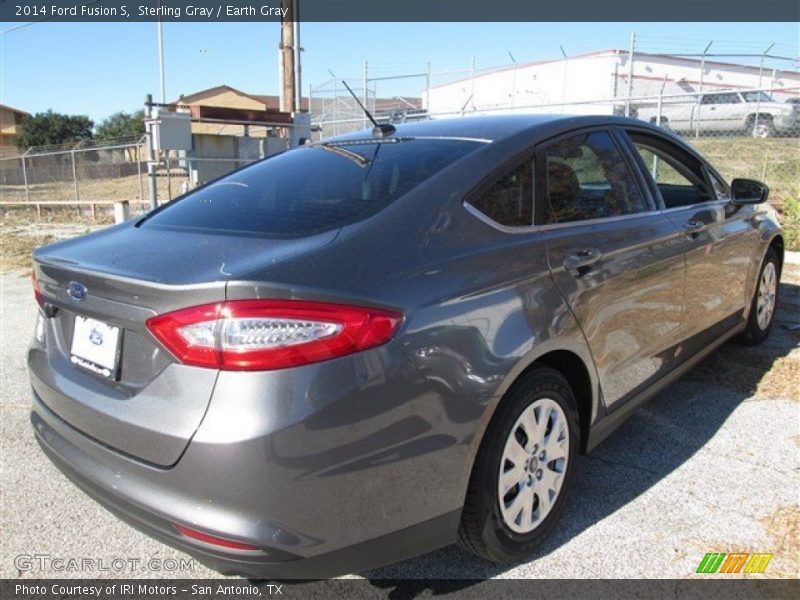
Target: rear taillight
(260, 335)
(37, 290)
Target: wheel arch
(777, 244)
(572, 359)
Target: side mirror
(748, 191)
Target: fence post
(366, 90)
(75, 179)
(25, 178)
(169, 177)
(472, 83)
(428, 86)
(758, 98)
(699, 100)
(630, 74)
(139, 169)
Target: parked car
(371, 347)
(755, 113)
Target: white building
(602, 78)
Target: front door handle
(693, 227)
(580, 260)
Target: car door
(718, 238)
(614, 257)
(720, 112)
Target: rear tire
(765, 128)
(533, 441)
(765, 301)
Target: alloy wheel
(533, 465)
(767, 288)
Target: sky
(98, 69)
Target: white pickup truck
(753, 112)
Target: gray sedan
(377, 345)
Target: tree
(52, 128)
(121, 125)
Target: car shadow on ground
(656, 440)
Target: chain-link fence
(89, 179)
(84, 178)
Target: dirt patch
(783, 528)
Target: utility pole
(161, 62)
(287, 50)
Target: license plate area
(96, 347)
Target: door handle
(693, 227)
(581, 260)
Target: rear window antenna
(378, 129)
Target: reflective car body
(364, 459)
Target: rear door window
(312, 189)
(509, 200)
(589, 178)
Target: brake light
(261, 335)
(37, 290)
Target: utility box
(172, 130)
(301, 130)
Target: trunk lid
(152, 406)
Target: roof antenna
(378, 129)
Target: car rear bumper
(321, 485)
(272, 564)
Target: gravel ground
(711, 464)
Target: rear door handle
(692, 227)
(582, 259)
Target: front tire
(765, 301)
(524, 469)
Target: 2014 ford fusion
(370, 347)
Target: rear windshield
(312, 189)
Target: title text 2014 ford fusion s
(370, 347)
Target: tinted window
(756, 97)
(678, 176)
(312, 189)
(588, 178)
(509, 201)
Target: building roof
(14, 110)
(270, 102)
(613, 52)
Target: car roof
(492, 128)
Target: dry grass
(775, 161)
(21, 233)
(783, 527)
(119, 188)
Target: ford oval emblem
(77, 291)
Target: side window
(509, 201)
(679, 178)
(588, 178)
